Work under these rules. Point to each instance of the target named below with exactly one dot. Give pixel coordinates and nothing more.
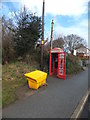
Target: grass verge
(13, 79)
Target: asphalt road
(58, 100)
(0, 99)
(84, 113)
(86, 110)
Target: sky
(69, 16)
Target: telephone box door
(62, 65)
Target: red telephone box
(57, 64)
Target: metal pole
(42, 40)
(51, 35)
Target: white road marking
(80, 107)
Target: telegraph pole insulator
(42, 39)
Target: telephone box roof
(56, 50)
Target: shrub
(72, 64)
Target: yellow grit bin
(36, 79)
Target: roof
(82, 47)
(56, 50)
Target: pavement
(58, 100)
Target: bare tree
(59, 42)
(72, 42)
(7, 40)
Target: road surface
(86, 110)
(58, 100)
(84, 113)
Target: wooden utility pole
(51, 35)
(42, 40)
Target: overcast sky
(70, 16)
